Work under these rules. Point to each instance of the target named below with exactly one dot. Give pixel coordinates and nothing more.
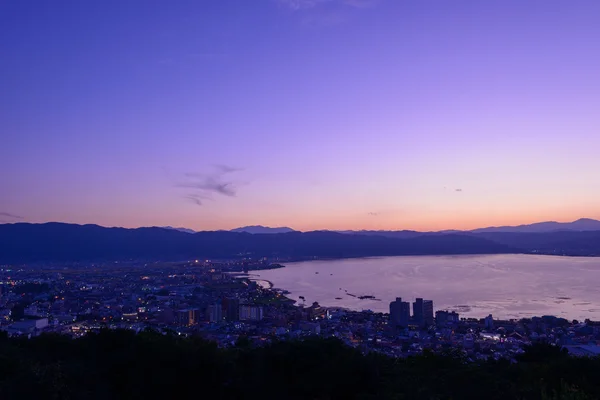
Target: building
(399, 312)
(445, 318)
(214, 312)
(31, 311)
(418, 312)
(423, 312)
(428, 312)
(251, 313)
(187, 317)
(488, 322)
(27, 327)
(166, 316)
(231, 307)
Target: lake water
(507, 286)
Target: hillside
(67, 242)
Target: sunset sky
(313, 114)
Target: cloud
(210, 184)
(360, 3)
(373, 214)
(458, 190)
(324, 19)
(227, 168)
(10, 216)
(324, 13)
(206, 184)
(207, 55)
(297, 5)
(197, 198)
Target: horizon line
(296, 230)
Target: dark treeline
(122, 365)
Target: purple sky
(315, 114)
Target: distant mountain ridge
(58, 242)
(581, 225)
(259, 229)
(186, 230)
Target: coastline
(367, 290)
(304, 259)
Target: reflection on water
(507, 286)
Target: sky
(313, 114)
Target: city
(219, 301)
(300, 200)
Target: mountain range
(258, 229)
(581, 225)
(186, 230)
(263, 229)
(30, 243)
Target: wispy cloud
(10, 216)
(205, 55)
(373, 214)
(216, 181)
(225, 169)
(360, 3)
(196, 198)
(458, 190)
(296, 5)
(325, 13)
(209, 184)
(324, 19)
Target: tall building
(489, 322)
(251, 313)
(167, 315)
(445, 318)
(399, 312)
(231, 308)
(428, 312)
(214, 312)
(418, 311)
(188, 316)
(423, 312)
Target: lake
(506, 285)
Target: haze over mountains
(247, 229)
(263, 229)
(26, 243)
(186, 230)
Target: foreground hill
(122, 365)
(67, 242)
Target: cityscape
(220, 302)
(300, 200)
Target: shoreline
(369, 296)
(294, 261)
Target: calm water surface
(507, 286)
